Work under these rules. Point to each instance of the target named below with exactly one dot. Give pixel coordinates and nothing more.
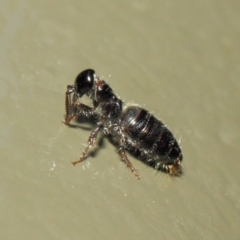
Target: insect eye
(84, 81)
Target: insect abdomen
(149, 133)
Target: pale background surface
(180, 59)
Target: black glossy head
(84, 81)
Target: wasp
(133, 128)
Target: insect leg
(125, 159)
(69, 102)
(78, 109)
(74, 108)
(91, 142)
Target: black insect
(132, 127)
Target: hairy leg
(91, 142)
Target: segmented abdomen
(149, 133)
